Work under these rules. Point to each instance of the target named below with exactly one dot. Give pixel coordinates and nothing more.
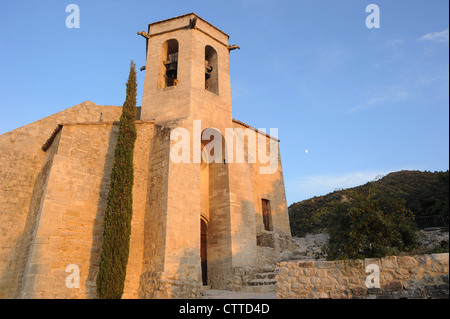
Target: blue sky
(363, 102)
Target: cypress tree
(119, 210)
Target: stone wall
(420, 277)
(65, 223)
(155, 219)
(21, 161)
(171, 266)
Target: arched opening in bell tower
(168, 64)
(211, 70)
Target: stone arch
(204, 185)
(213, 146)
(214, 173)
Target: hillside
(426, 194)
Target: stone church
(196, 223)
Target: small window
(267, 216)
(211, 70)
(168, 66)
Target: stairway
(255, 280)
(263, 282)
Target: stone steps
(261, 282)
(255, 279)
(265, 275)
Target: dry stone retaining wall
(425, 276)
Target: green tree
(426, 194)
(119, 210)
(442, 202)
(368, 225)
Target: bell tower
(187, 72)
(203, 217)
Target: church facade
(208, 194)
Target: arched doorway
(203, 252)
(204, 214)
(215, 211)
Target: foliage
(425, 194)
(368, 225)
(117, 222)
(437, 249)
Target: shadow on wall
(157, 188)
(24, 243)
(97, 230)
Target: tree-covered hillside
(426, 194)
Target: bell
(208, 70)
(171, 71)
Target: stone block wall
(65, 224)
(418, 277)
(171, 266)
(155, 217)
(21, 163)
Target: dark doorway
(204, 228)
(267, 218)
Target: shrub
(368, 225)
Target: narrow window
(267, 218)
(168, 66)
(211, 70)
